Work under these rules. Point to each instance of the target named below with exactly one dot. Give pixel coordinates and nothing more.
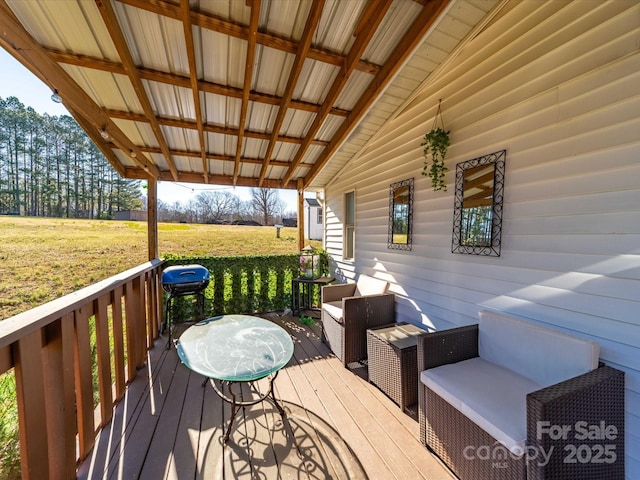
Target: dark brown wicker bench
(592, 400)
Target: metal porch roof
(258, 93)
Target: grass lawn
(44, 258)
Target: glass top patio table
(235, 348)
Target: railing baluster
(5, 359)
(153, 304)
(84, 381)
(118, 342)
(104, 361)
(60, 411)
(136, 332)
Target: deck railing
(73, 357)
(52, 349)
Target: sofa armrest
(332, 293)
(575, 418)
(447, 346)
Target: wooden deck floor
(337, 426)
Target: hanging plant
(435, 143)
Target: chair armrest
(368, 311)
(447, 346)
(332, 293)
(559, 417)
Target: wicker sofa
(349, 309)
(507, 399)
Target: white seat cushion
(367, 285)
(334, 309)
(542, 354)
(491, 396)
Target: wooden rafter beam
(226, 27)
(193, 70)
(248, 77)
(149, 74)
(207, 127)
(138, 173)
(117, 37)
(222, 158)
(313, 18)
(409, 41)
(19, 43)
(370, 20)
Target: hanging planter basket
(435, 143)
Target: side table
(302, 292)
(393, 364)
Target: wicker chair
(348, 310)
(591, 400)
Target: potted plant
(435, 143)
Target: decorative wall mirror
(400, 214)
(477, 218)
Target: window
(349, 225)
(319, 219)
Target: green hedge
(241, 284)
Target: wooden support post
(300, 214)
(152, 217)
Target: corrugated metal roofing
(166, 81)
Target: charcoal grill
(180, 281)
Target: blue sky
(17, 81)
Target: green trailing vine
(435, 143)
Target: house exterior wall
(312, 228)
(556, 84)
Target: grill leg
(201, 303)
(167, 321)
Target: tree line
(49, 167)
(265, 207)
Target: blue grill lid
(179, 274)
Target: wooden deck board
(337, 425)
(334, 392)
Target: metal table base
(236, 404)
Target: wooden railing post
(34, 451)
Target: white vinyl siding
(556, 84)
